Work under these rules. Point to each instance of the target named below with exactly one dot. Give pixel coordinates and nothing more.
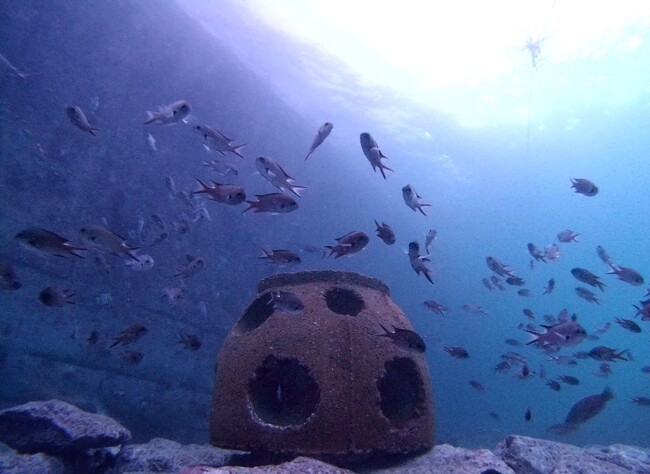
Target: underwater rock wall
(116, 60)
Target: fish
(274, 174)
(512, 342)
(554, 385)
(528, 415)
(213, 139)
(418, 262)
(436, 307)
(537, 254)
(171, 187)
(281, 256)
(549, 287)
(528, 313)
(472, 308)
(321, 135)
(142, 263)
(499, 268)
(497, 282)
(192, 267)
(286, 302)
(130, 334)
(503, 366)
(604, 370)
(568, 379)
(523, 292)
(93, 338)
(173, 295)
(584, 186)
(12, 69)
(552, 252)
(8, 278)
(564, 334)
(385, 233)
(588, 407)
(629, 325)
(564, 360)
(494, 416)
(275, 203)
(412, 199)
(405, 339)
(515, 281)
(487, 284)
(348, 244)
(152, 142)
(585, 276)
(585, 294)
(100, 238)
(567, 236)
(190, 341)
(641, 401)
(607, 354)
(373, 153)
(132, 357)
(604, 256)
(645, 369)
(643, 310)
(172, 113)
(477, 385)
(628, 275)
(47, 243)
(430, 237)
(56, 296)
(79, 120)
(221, 168)
(229, 194)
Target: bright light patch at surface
(469, 58)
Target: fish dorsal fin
(217, 184)
(286, 175)
(344, 236)
(261, 196)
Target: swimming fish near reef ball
(563, 334)
(348, 244)
(628, 275)
(193, 266)
(457, 352)
(100, 238)
(477, 385)
(221, 168)
(428, 240)
(286, 302)
(8, 279)
(629, 325)
(213, 139)
(275, 203)
(172, 113)
(274, 174)
(373, 153)
(568, 379)
(607, 354)
(436, 307)
(536, 253)
(604, 256)
(78, 119)
(385, 233)
(528, 415)
(588, 407)
(499, 268)
(472, 308)
(323, 133)
(418, 262)
(549, 287)
(405, 339)
(584, 186)
(131, 357)
(56, 296)
(280, 256)
(585, 294)
(143, 263)
(13, 69)
(587, 277)
(411, 198)
(130, 334)
(46, 242)
(552, 252)
(190, 341)
(230, 194)
(567, 236)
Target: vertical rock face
(56, 427)
(324, 381)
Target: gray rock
(163, 455)
(538, 456)
(56, 427)
(13, 463)
(450, 460)
(300, 465)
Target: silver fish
(628, 275)
(100, 238)
(12, 69)
(564, 334)
(373, 153)
(223, 193)
(213, 139)
(274, 174)
(428, 240)
(405, 339)
(348, 244)
(412, 199)
(79, 120)
(286, 302)
(323, 133)
(172, 113)
(46, 242)
(584, 186)
(418, 261)
(275, 203)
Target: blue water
(492, 190)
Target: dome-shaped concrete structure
(321, 380)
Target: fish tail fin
(151, 117)
(74, 250)
(421, 210)
(251, 205)
(536, 339)
(295, 189)
(382, 168)
(203, 187)
(237, 150)
(92, 130)
(308, 155)
(427, 274)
